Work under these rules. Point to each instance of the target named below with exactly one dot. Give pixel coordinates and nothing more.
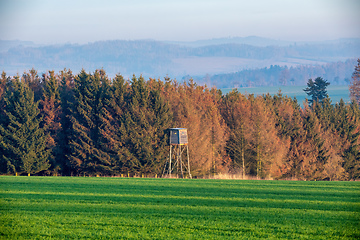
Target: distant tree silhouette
(317, 90)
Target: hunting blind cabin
(175, 164)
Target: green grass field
(335, 92)
(140, 208)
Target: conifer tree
(317, 90)
(22, 141)
(116, 110)
(50, 107)
(3, 81)
(319, 152)
(352, 154)
(144, 124)
(79, 142)
(86, 154)
(103, 132)
(335, 141)
(34, 82)
(287, 120)
(299, 148)
(268, 147)
(235, 110)
(67, 85)
(197, 109)
(163, 117)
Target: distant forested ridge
(338, 73)
(200, 60)
(91, 124)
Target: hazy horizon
(80, 21)
(278, 40)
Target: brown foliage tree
(50, 107)
(197, 109)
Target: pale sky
(83, 21)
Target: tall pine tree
(235, 111)
(116, 131)
(67, 85)
(352, 153)
(50, 107)
(197, 109)
(87, 154)
(22, 140)
(144, 124)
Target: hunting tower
(178, 140)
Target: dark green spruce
(88, 153)
(22, 140)
(144, 124)
(316, 90)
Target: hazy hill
(257, 41)
(338, 73)
(5, 45)
(251, 40)
(158, 59)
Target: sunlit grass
(125, 208)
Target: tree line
(337, 73)
(89, 124)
